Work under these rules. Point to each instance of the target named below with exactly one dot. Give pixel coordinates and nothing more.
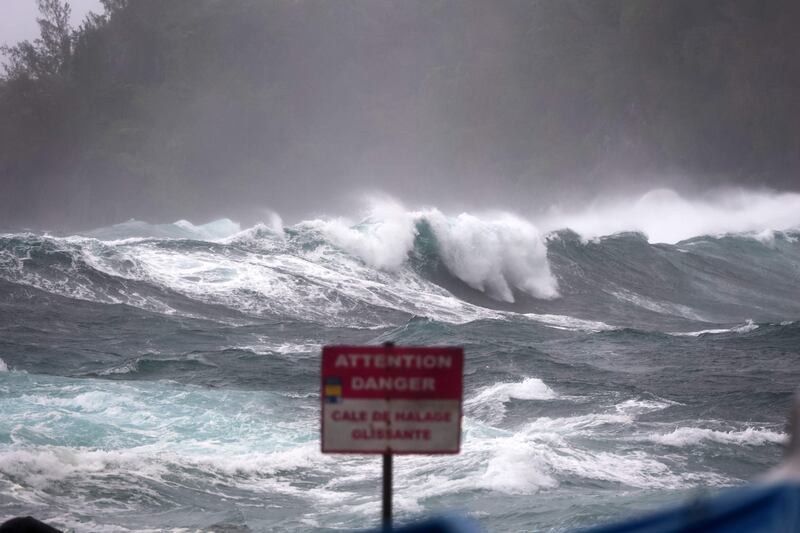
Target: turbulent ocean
(166, 376)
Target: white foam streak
(635, 469)
(569, 323)
(668, 308)
(323, 284)
(690, 436)
(3, 366)
(575, 425)
(125, 368)
(747, 327)
(283, 348)
(638, 406)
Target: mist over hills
(204, 108)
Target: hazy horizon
(206, 110)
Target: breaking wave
(491, 401)
(666, 217)
(496, 255)
(396, 263)
(689, 436)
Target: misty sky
(18, 20)
(211, 109)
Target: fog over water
(213, 109)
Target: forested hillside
(195, 106)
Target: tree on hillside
(49, 55)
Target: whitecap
(125, 368)
(689, 436)
(638, 406)
(662, 307)
(747, 327)
(515, 467)
(495, 254)
(383, 240)
(667, 217)
(570, 323)
(579, 425)
(490, 401)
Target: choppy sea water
(161, 377)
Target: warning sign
(391, 399)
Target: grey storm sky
(18, 20)
(228, 107)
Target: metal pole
(386, 515)
(386, 521)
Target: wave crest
(667, 217)
(495, 255)
(395, 263)
(690, 436)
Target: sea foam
(747, 327)
(490, 401)
(689, 436)
(495, 254)
(667, 217)
(569, 323)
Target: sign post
(386, 506)
(391, 400)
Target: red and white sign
(391, 399)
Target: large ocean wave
(664, 216)
(396, 263)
